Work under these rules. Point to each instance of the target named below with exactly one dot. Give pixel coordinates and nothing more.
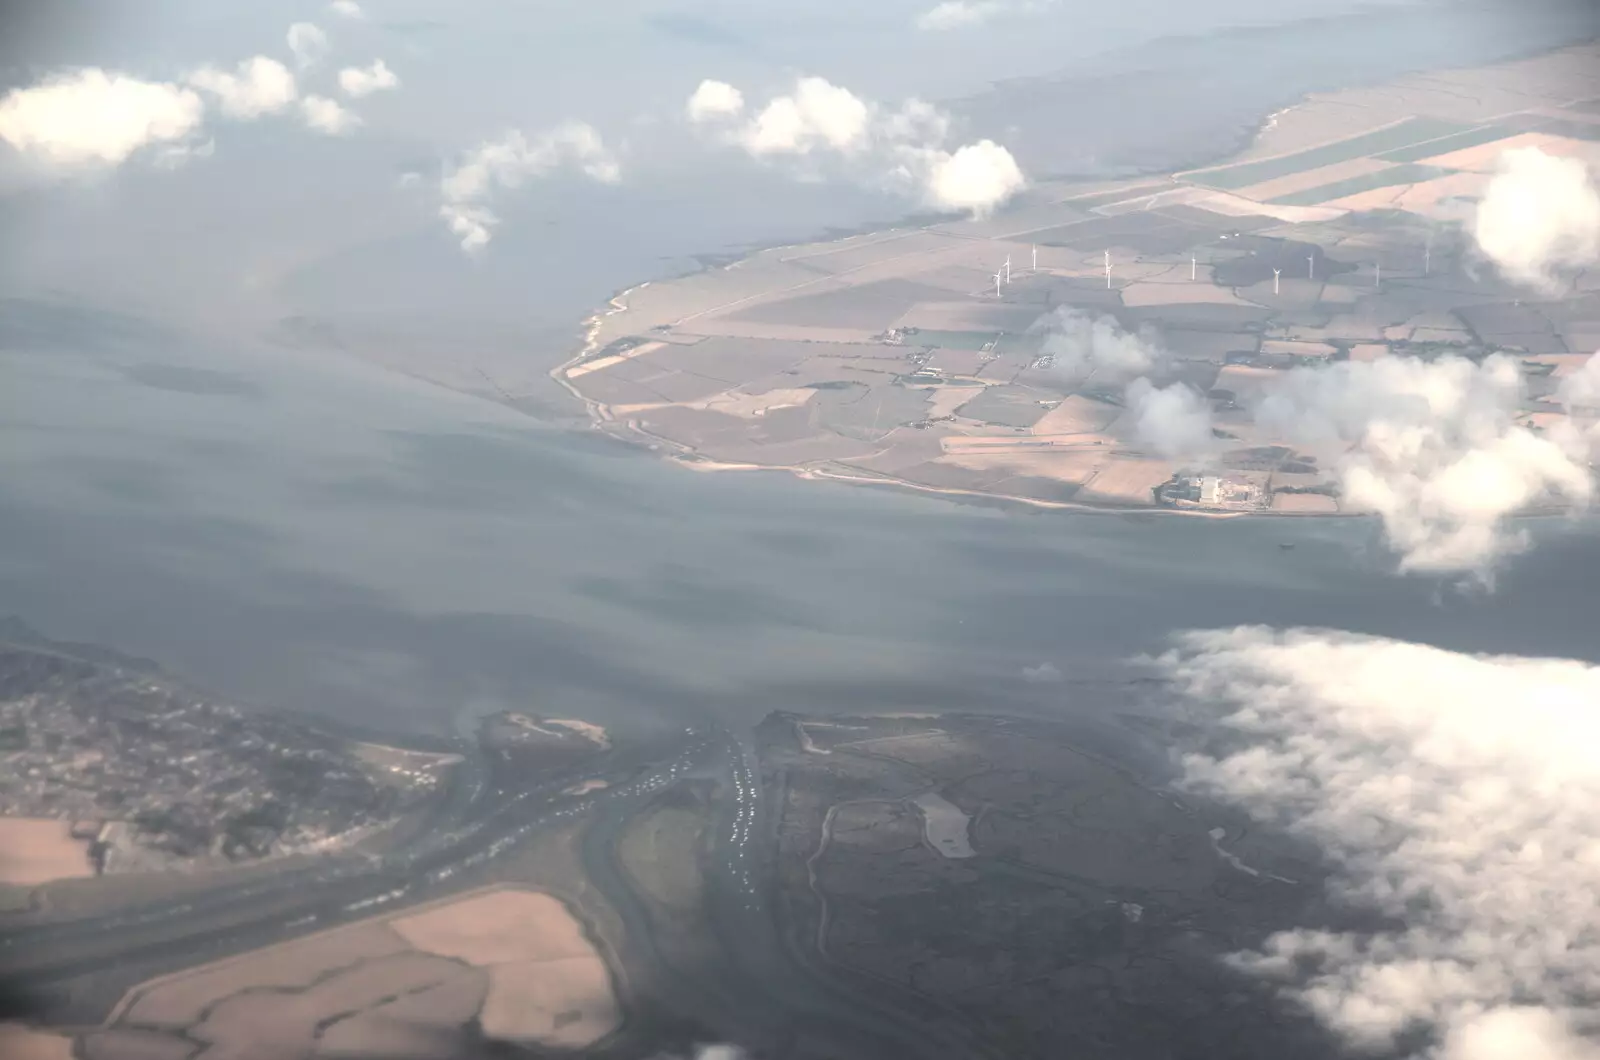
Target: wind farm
(920, 357)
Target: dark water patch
(38, 325)
(686, 597)
(183, 379)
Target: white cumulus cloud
(258, 86)
(1172, 421)
(307, 42)
(1084, 347)
(714, 100)
(1454, 795)
(958, 14)
(347, 9)
(968, 14)
(1435, 450)
(327, 116)
(824, 124)
(816, 114)
(1539, 215)
(509, 161)
(973, 179)
(97, 118)
(359, 81)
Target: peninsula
(926, 356)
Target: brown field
(1077, 414)
(1304, 502)
(1064, 465)
(1425, 198)
(275, 1023)
(1297, 348)
(1199, 292)
(516, 962)
(947, 399)
(408, 1026)
(1237, 206)
(751, 406)
(181, 999)
(1313, 178)
(546, 983)
(1485, 157)
(24, 1043)
(565, 1003)
(36, 850)
(1130, 481)
(134, 1045)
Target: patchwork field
(921, 372)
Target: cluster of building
(154, 774)
(1221, 492)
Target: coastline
(1054, 191)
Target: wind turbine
(1311, 266)
(1035, 258)
(1008, 268)
(1275, 274)
(1427, 256)
(1108, 270)
(997, 285)
(1377, 274)
(1192, 265)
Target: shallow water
(321, 535)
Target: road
(758, 984)
(476, 830)
(760, 988)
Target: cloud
(1085, 347)
(1046, 673)
(259, 86)
(959, 14)
(968, 14)
(359, 81)
(1434, 449)
(974, 179)
(1172, 421)
(714, 100)
(327, 116)
(817, 114)
(507, 163)
(1454, 796)
(347, 9)
(1580, 391)
(308, 43)
(820, 124)
(1539, 214)
(91, 117)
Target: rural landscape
(1117, 857)
(1004, 357)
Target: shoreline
(1051, 190)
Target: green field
(1445, 144)
(1406, 134)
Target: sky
(266, 219)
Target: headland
(926, 357)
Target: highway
(476, 830)
(760, 987)
(757, 987)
